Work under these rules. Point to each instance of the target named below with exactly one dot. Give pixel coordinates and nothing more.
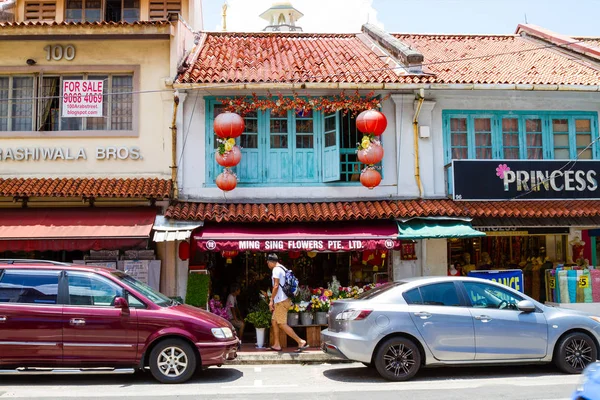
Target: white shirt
(279, 273)
(231, 303)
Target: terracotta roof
(85, 187)
(500, 59)
(83, 24)
(590, 41)
(345, 211)
(288, 58)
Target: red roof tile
(500, 59)
(85, 187)
(289, 58)
(590, 41)
(345, 211)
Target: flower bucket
(321, 318)
(260, 337)
(293, 319)
(306, 318)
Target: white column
(405, 160)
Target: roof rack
(30, 261)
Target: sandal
(300, 349)
(274, 349)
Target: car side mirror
(526, 306)
(121, 302)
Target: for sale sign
(82, 98)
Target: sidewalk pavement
(250, 354)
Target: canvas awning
(339, 236)
(55, 229)
(430, 228)
(170, 230)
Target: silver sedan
(400, 327)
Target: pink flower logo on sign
(501, 170)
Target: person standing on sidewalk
(279, 306)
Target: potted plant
(293, 315)
(322, 305)
(306, 315)
(260, 317)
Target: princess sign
(525, 179)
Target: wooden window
(160, 10)
(40, 11)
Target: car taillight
(353, 315)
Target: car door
(443, 321)
(30, 318)
(95, 332)
(502, 332)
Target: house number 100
(57, 52)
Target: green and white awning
(434, 228)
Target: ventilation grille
(40, 10)
(159, 10)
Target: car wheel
(574, 352)
(398, 359)
(172, 361)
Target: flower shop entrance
(352, 253)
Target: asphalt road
(301, 382)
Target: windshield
(151, 294)
(379, 290)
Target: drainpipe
(174, 146)
(416, 143)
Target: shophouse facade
(88, 188)
(524, 81)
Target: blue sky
(575, 17)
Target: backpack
(290, 284)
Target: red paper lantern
(370, 178)
(371, 121)
(372, 155)
(229, 253)
(226, 181)
(184, 250)
(294, 254)
(229, 158)
(228, 125)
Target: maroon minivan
(57, 315)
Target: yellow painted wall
(155, 109)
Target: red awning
(339, 236)
(31, 229)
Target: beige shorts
(281, 311)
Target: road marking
(257, 369)
(258, 383)
(258, 386)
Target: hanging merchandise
(226, 180)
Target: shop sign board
(512, 278)
(299, 245)
(82, 98)
(525, 179)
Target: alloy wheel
(172, 362)
(399, 360)
(578, 353)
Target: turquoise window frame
(263, 180)
(497, 116)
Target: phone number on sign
(78, 97)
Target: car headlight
(222, 333)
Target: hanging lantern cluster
(372, 124)
(227, 127)
(228, 255)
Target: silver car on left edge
(431, 321)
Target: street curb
(285, 358)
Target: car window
(29, 287)
(483, 295)
(152, 295)
(134, 302)
(86, 289)
(379, 290)
(440, 294)
(413, 296)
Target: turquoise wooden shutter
(279, 154)
(331, 147)
(249, 169)
(304, 145)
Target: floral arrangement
(294, 309)
(320, 303)
(304, 306)
(356, 103)
(225, 145)
(216, 307)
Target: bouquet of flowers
(334, 286)
(294, 309)
(320, 303)
(216, 307)
(304, 306)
